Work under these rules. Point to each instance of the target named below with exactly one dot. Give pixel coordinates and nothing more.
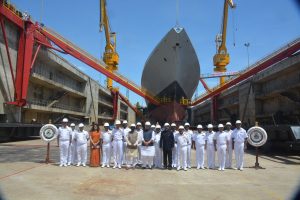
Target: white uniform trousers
(174, 156)
(64, 149)
(210, 152)
(188, 158)
(106, 153)
(72, 155)
(200, 155)
(112, 155)
(82, 153)
(182, 156)
(124, 153)
(118, 151)
(222, 155)
(239, 154)
(158, 156)
(229, 152)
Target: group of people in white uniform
(73, 144)
(164, 147)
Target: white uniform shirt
(210, 137)
(73, 135)
(199, 138)
(82, 137)
(157, 138)
(175, 133)
(106, 137)
(221, 138)
(189, 133)
(229, 133)
(64, 133)
(117, 134)
(126, 131)
(140, 135)
(182, 140)
(239, 135)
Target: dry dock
(23, 175)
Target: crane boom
(221, 58)
(110, 56)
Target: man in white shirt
(106, 138)
(117, 140)
(209, 147)
(158, 151)
(64, 138)
(126, 130)
(147, 148)
(81, 137)
(228, 130)
(174, 151)
(72, 156)
(183, 142)
(139, 130)
(199, 138)
(189, 133)
(239, 137)
(221, 140)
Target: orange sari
(95, 149)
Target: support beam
(7, 51)
(275, 57)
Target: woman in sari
(95, 156)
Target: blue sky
(141, 24)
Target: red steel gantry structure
(32, 34)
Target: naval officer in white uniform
(81, 138)
(199, 138)
(106, 138)
(221, 140)
(239, 137)
(64, 138)
(210, 148)
(189, 133)
(117, 140)
(229, 152)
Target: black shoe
(169, 168)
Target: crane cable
(233, 26)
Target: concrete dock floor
(23, 175)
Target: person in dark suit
(167, 144)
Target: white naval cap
(166, 124)
(80, 125)
(199, 126)
(173, 124)
(157, 126)
(209, 126)
(118, 122)
(72, 124)
(106, 124)
(132, 125)
(65, 120)
(139, 124)
(181, 127)
(147, 124)
(152, 126)
(220, 126)
(228, 124)
(125, 122)
(186, 124)
(238, 122)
